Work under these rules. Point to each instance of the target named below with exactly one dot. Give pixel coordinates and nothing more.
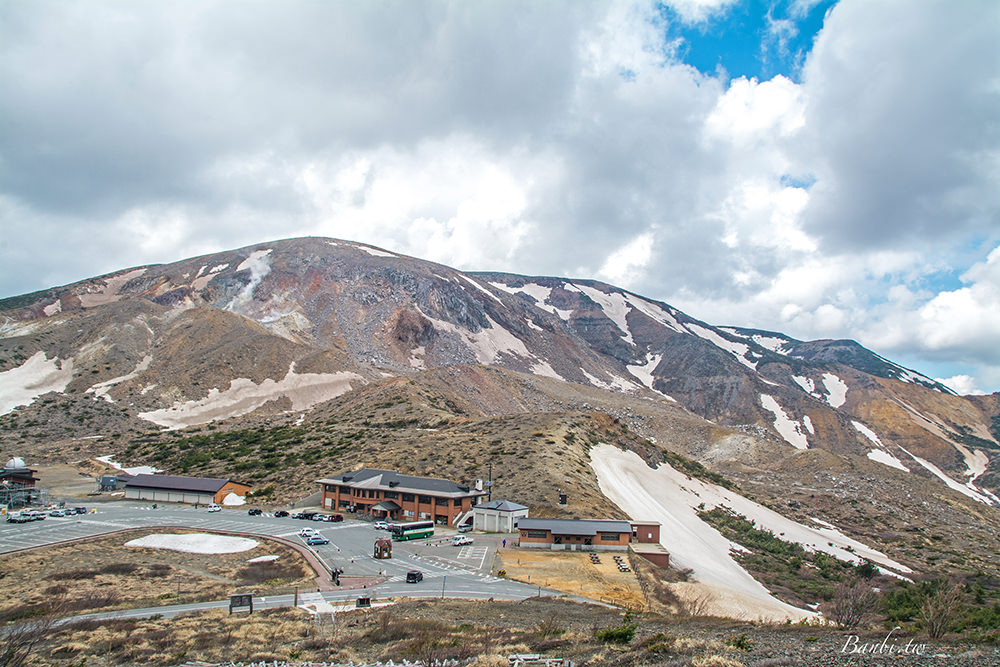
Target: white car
(214, 508)
(381, 525)
(307, 532)
(459, 540)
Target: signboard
(241, 601)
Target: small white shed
(497, 516)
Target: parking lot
(461, 571)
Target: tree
(18, 641)
(851, 604)
(939, 609)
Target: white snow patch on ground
(738, 350)
(808, 424)
(36, 376)
(975, 461)
(615, 307)
(788, 428)
(219, 267)
(667, 496)
(952, 484)
(867, 432)
(489, 343)
(416, 362)
(540, 294)
(885, 458)
(375, 252)
(233, 500)
(806, 384)
(101, 389)
(644, 373)
(770, 343)
(136, 470)
(195, 543)
(109, 293)
(52, 308)
(836, 390)
(259, 266)
(655, 312)
(244, 395)
(481, 288)
(263, 559)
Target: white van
(459, 540)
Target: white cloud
(965, 385)
(697, 11)
(625, 264)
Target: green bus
(414, 530)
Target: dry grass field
(103, 574)
(574, 573)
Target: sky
(823, 169)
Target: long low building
(389, 494)
(173, 489)
(585, 534)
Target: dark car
(336, 517)
(254, 511)
(308, 516)
(80, 510)
(281, 513)
(414, 576)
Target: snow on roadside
(233, 500)
(195, 543)
(36, 376)
(263, 559)
(668, 496)
(135, 470)
(788, 428)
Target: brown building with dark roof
(388, 494)
(173, 489)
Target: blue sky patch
(751, 38)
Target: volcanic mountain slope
(285, 326)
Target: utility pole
(489, 483)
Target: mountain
(311, 334)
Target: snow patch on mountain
(36, 376)
(644, 373)
(738, 350)
(109, 460)
(836, 390)
(109, 292)
(806, 383)
(808, 424)
(966, 490)
(101, 389)
(771, 343)
(666, 495)
(614, 305)
(244, 396)
(53, 308)
(885, 458)
(539, 293)
(481, 288)
(654, 312)
(787, 428)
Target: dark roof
(502, 505)
(198, 484)
(575, 526)
(389, 480)
(386, 506)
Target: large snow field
(244, 395)
(36, 376)
(195, 543)
(137, 470)
(668, 496)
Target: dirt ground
(574, 573)
(104, 574)
(68, 482)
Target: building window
(425, 499)
(390, 494)
(440, 501)
(610, 537)
(408, 513)
(536, 533)
(408, 498)
(458, 502)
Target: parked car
(336, 517)
(214, 508)
(307, 532)
(316, 539)
(381, 525)
(17, 517)
(414, 576)
(307, 515)
(459, 540)
(321, 517)
(80, 510)
(465, 528)
(295, 515)
(57, 513)
(281, 513)
(254, 511)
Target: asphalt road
(449, 571)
